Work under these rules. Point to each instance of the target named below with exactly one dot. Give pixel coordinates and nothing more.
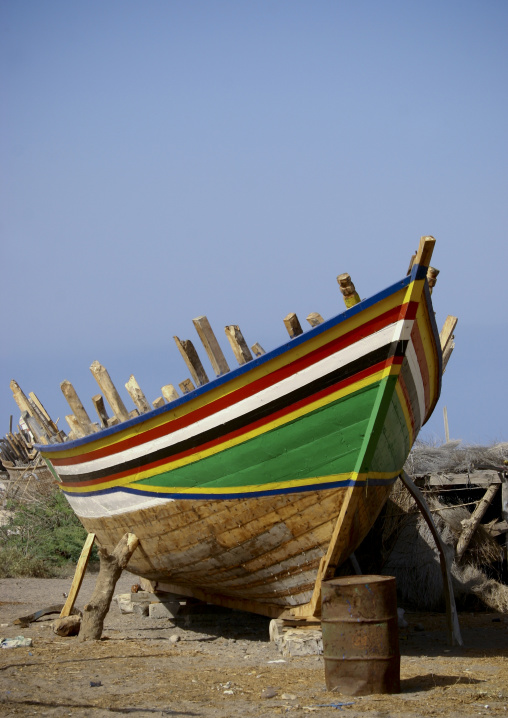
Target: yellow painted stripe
(274, 364)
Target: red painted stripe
(271, 378)
(365, 373)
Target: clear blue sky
(163, 160)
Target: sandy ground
(223, 665)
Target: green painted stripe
(393, 444)
(326, 441)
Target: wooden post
(424, 252)
(258, 349)
(98, 403)
(137, 395)
(78, 576)
(110, 570)
(157, 403)
(470, 525)
(169, 393)
(191, 358)
(315, 319)
(186, 386)
(446, 334)
(107, 387)
(293, 326)
(348, 290)
(77, 430)
(77, 407)
(454, 636)
(238, 344)
(446, 429)
(211, 345)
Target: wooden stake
(258, 349)
(137, 395)
(77, 407)
(348, 290)
(107, 387)
(169, 393)
(315, 319)
(110, 570)
(293, 325)
(211, 345)
(191, 358)
(98, 403)
(470, 525)
(238, 344)
(78, 576)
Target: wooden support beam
(137, 395)
(446, 334)
(157, 403)
(293, 326)
(351, 296)
(169, 393)
(447, 354)
(133, 413)
(424, 252)
(191, 358)
(238, 344)
(77, 430)
(432, 273)
(78, 576)
(211, 345)
(315, 319)
(411, 262)
(77, 407)
(470, 525)
(103, 415)
(186, 386)
(258, 349)
(107, 387)
(454, 636)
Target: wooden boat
(253, 487)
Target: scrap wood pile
(466, 488)
(29, 478)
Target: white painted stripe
(414, 367)
(399, 330)
(114, 502)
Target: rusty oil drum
(361, 635)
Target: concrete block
(167, 609)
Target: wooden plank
(346, 286)
(432, 273)
(424, 252)
(446, 334)
(137, 395)
(78, 576)
(258, 349)
(77, 407)
(238, 344)
(211, 345)
(191, 358)
(157, 403)
(35, 428)
(293, 326)
(475, 478)
(107, 387)
(98, 403)
(472, 524)
(169, 393)
(315, 319)
(42, 416)
(186, 386)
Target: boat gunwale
(418, 272)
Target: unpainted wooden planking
(137, 396)
(169, 393)
(347, 288)
(258, 349)
(191, 358)
(211, 345)
(315, 319)
(109, 390)
(238, 344)
(186, 386)
(77, 407)
(293, 326)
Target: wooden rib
(169, 393)
(348, 290)
(98, 403)
(113, 421)
(77, 407)
(293, 325)
(446, 334)
(137, 395)
(75, 426)
(133, 414)
(186, 386)
(211, 345)
(411, 262)
(78, 576)
(238, 344)
(447, 354)
(157, 403)
(107, 387)
(315, 319)
(432, 273)
(258, 349)
(425, 249)
(191, 358)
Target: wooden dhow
(250, 489)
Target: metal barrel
(361, 635)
